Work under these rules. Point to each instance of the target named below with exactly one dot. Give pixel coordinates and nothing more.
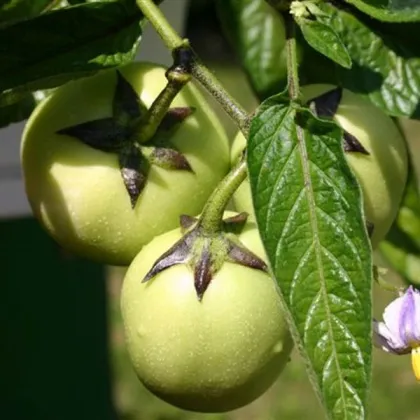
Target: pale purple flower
(399, 333)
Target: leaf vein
(314, 223)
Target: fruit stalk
(173, 41)
(212, 214)
(178, 75)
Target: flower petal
(410, 317)
(383, 339)
(393, 315)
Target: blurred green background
(63, 357)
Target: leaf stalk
(292, 60)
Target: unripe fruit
(77, 191)
(212, 355)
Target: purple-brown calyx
(205, 254)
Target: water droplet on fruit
(141, 331)
(278, 348)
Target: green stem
(292, 61)
(149, 125)
(212, 214)
(214, 87)
(154, 15)
(173, 41)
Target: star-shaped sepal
(118, 134)
(205, 254)
(134, 169)
(160, 150)
(111, 134)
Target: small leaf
(386, 61)
(315, 67)
(134, 179)
(256, 33)
(103, 134)
(15, 10)
(308, 205)
(326, 105)
(390, 11)
(325, 40)
(126, 103)
(169, 159)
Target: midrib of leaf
(317, 247)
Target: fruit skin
(210, 356)
(77, 192)
(382, 174)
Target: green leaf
(389, 10)
(17, 111)
(19, 106)
(256, 32)
(65, 44)
(384, 70)
(315, 67)
(14, 10)
(325, 40)
(308, 208)
(402, 245)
